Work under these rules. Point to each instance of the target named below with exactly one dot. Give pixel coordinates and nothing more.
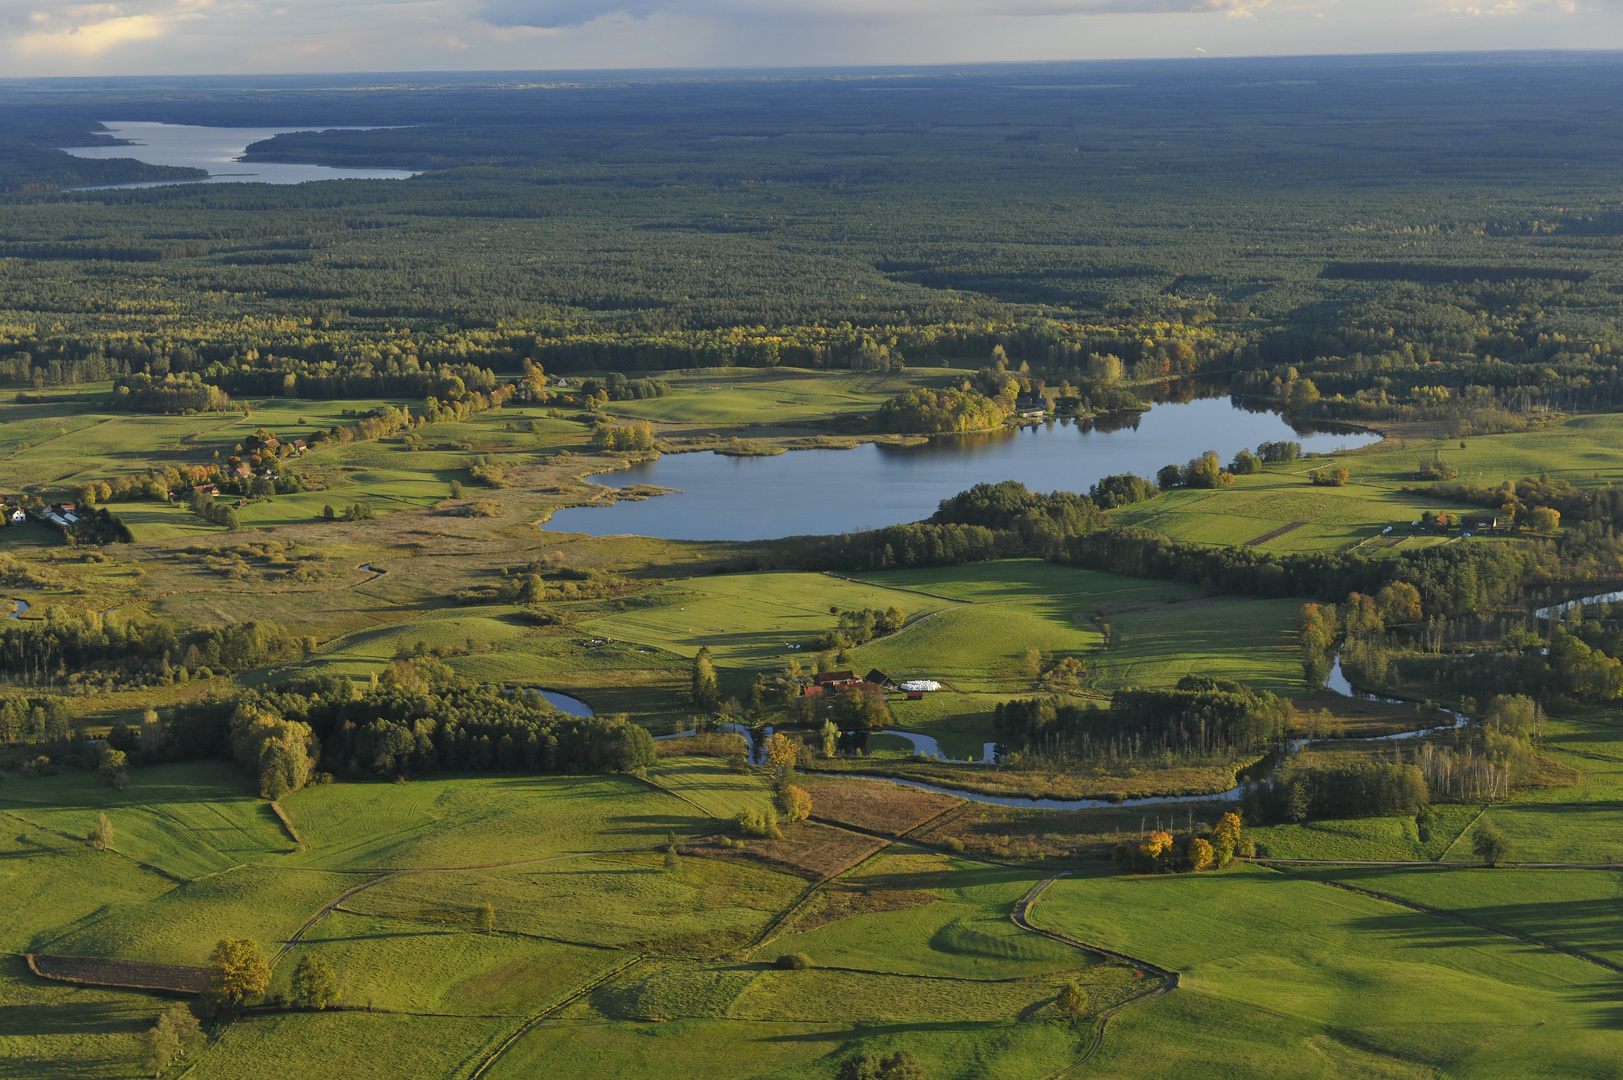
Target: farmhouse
(1031, 405)
(18, 516)
(829, 683)
(1478, 522)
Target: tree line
(418, 718)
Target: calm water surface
(218, 151)
(817, 492)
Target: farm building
(1478, 522)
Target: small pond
(818, 492)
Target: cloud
(89, 30)
(1509, 7)
(560, 14)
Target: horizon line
(555, 74)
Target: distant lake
(817, 492)
(218, 151)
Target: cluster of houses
(61, 515)
(875, 684)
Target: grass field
(1579, 449)
(186, 820)
(750, 397)
(55, 1031)
(625, 961)
(1290, 978)
(1573, 909)
(1391, 838)
(467, 822)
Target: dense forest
(1342, 236)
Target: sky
(204, 37)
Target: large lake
(817, 492)
(218, 151)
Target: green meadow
(1579, 449)
(752, 397)
(1283, 977)
(1578, 910)
(601, 946)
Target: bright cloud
(49, 37)
(558, 14)
(89, 30)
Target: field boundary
(898, 588)
(1020, 916)
(287, 822)
(524, 1028)
(1275, 535)
(765, 934)
(1468, 827)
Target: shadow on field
(76, 1068)
(1417, 930)
(389, 935)
(886, 1030)
(1610, 1017)
(82, 1018)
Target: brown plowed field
(133, 974)
(874, 805)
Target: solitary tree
(160, 1047)
(1072, 1001)
(1031, 662)
(1490, 844)
(101, 836)
(315, 984)
(831, 738)
(238, 971)
(673, 861)
(797, 803)
(780, 751)
(705, 692)
(114, 770)
(484, 916)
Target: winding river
(927, 746)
